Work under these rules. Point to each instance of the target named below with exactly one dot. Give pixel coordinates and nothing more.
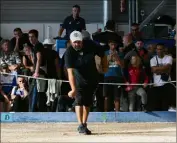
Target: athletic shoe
(87, 131)
(81, 129)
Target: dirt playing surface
(102, 132)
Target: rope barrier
(40, 78)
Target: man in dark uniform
(83, 76)
(73, 22)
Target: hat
(48, 42)
(85, 34)
(76, 36)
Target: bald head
(127, 39)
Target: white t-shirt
(162, 61)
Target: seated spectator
(28, 60)
(113, 75)
(135, 33)
(52, 60)
(11, 58)
(136, 74)
(162, 94)
(19, 96)
(7, 82)
(18, 40)
(4, 99)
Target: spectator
(19, 96)
(135, 33)
(52, 60)
(18, 40)
(4, 99)
(136, 75)
(7, 83)
(79, 59)
(128, 44)
(113, 75)
(11, 58)
(28, 60)
(162, 94)
(108, 34)
(73, 22)
(39, 71)
(151, 50)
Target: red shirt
(135, 75)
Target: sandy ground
(102, 132)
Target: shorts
(84, 96)
(112, 90)
(2, 98)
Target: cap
(76, 36)
(48, 42)
(85, 34)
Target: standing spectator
(113, 75)
(135, 33)
(18, 40)
(11, 58)
(39, 70)
(52, 60)
(161, 95)
(108, 34)
(73, 22)
(136, 74)
(19, 96)
(79, 59)
(151, 50)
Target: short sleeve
(83, 25)
(39, 47)
(153, 62)
(169, 60)
(64, 25)
(69, 61)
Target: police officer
(72, 23)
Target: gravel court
(102, 132)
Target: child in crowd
(136, 75)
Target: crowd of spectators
(32, 73)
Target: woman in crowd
(19, 96)
(28, 60)
(136, 75)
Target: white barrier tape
(99, 83)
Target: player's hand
(72, 93)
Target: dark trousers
(37, 100)
(160, 98)
(20, 104)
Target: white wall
(7, 28)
